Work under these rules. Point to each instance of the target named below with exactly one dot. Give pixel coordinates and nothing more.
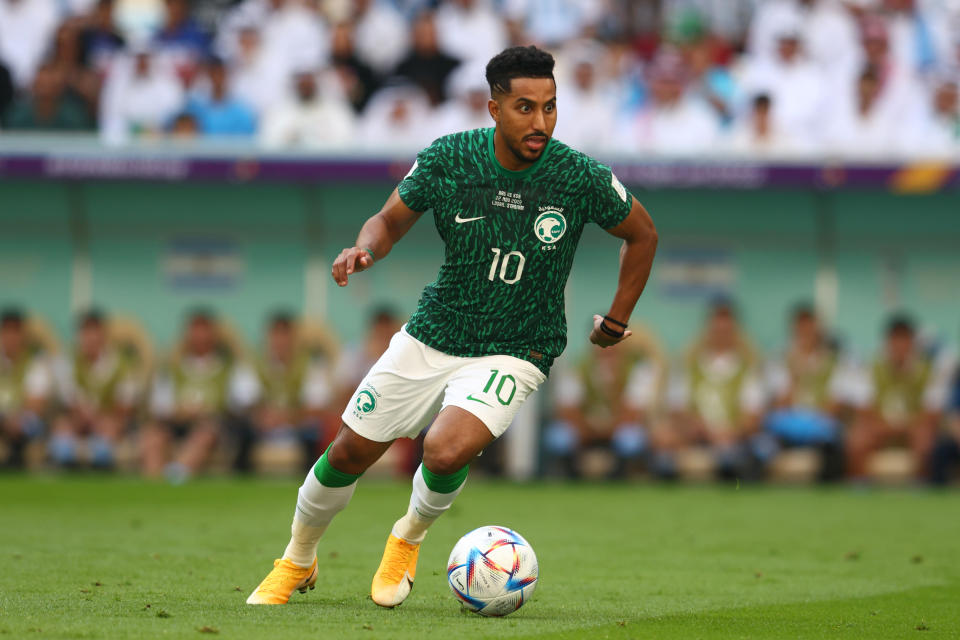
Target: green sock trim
(444, 484)
(330, 477)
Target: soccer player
(509, 204)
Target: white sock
(316, 507)
(425, 507)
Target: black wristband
(616, 322)
(610, 332)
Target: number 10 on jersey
(505, 265)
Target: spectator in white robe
(141, 95)
(314, 118)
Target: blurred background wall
(153, 250)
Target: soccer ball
(492, 571)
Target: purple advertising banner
(737, 174)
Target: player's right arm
(376, 239)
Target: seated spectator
(216, 111)
(425, 65)
(382, 34)
(99, 388)
(606, 402)
(358, 79)
(290, 30)
(673, 122)
(397, 119)
(813, 392)
(827, 28)
(51, 105)
(6, 93)
(192, 400)
(26, 29)
(718, 400)
(938, 134)
(470, 30)
(184, 127)
(141, 95)
(710, 80)
(946, 453)
(100, 40)
(26, 383)
(312, 120)
(588, 102)
(759, 135)
(181, 40)
(867, 126)
(259, 76)
(902, 400)
(467, 108)
(794, 83)
(66, 57)
(550, 23)
(296, 392)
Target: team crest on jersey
(366, 401)
(550, 225)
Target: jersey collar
(523, 173)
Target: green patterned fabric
(510, 237)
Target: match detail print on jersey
(500, 288)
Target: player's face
(527, 116)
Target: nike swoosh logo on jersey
(470, 397)
(462, 220)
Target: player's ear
(494, 108)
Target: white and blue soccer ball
(492, 571)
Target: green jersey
(509, 238)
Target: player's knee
(444, 462)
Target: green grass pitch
(87, 557)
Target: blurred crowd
(722, 409)
(870, 78)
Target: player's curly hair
(517, 62)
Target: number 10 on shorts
(504, 390)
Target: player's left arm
(639, 237)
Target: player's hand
(601, 339)
(351, 260)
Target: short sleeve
(419, 187)
(611, 200)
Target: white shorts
(411, 383)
